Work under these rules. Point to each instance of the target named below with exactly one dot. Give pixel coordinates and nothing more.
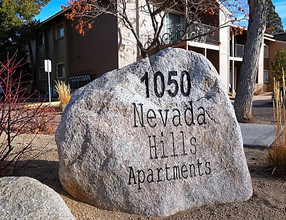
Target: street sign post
(48, 68)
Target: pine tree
(17, 25)
(279, 64)
(273, 21)
(21, 11)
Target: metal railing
(173, 33)
(146, 39)
(76, 82)
(170, 34)
(198, 30)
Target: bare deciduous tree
(84, 12)
(248, 73)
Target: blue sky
(55, 6)
(52, 8)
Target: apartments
(109, 45)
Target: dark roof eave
(279, 33)
(55, 16)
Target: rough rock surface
(155, 137)
(27, 198)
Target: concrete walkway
(257, 135)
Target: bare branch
(84, 12)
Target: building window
(175, 22)
(239, 50)
(40, 40)
(265, 76)
(174, 29)
(60, 70)
(59, 31)
(42, 75)
(175, 18)
(265, 51)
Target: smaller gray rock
(27, 198)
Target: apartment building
(277, 42)
(75, 59)
(109, 45)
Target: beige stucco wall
(274, 47)
(224, 50)
(128, 51)
(260, 76)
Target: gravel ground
(263, 114)
(262, 109)
(268, 200)
(269, 191)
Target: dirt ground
(269, 191)
(268, 200)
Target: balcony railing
(199, 30)
(170, 34)
(173, 33)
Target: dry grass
(276, 155)
(63, 91)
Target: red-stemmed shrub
(16, 117)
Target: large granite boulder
(155, 137)
(27, 198)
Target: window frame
(42, 76)
(58, 33)
(266, 80)
(266, 48)
(42, 40)
(57, 70)
(167, 19)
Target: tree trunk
(248, 73)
